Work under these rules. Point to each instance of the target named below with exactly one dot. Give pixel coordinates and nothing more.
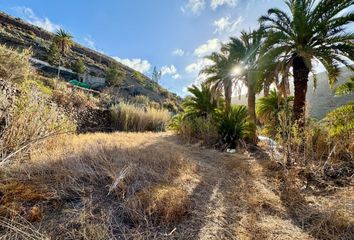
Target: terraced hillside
(17, 33)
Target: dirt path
(231, 198)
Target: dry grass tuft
(132, 118)
(159, 204)
(14, 65)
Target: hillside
(321, 100)
(18, 34)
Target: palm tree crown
(244, 55)
(63, 40)
(219, 75)
(201, 103)
(312, 31)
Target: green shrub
(345, 88)
(54, 56)
(153, 86)
(340, 122)
(139, 77)
(114, 76)
(235, 125)
(126, 117)
(79, 66)
(269, 109)
(204, 119)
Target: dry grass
(198, 129)
(128, 117)
(96, 186)
(15, 66)
(31, 120)
(148, 186)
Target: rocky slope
(19, 34)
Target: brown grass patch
(109, 182)
(159, 204)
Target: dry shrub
(128, 117)
(198, 129)
(32, 120)
(160, 204)
(76, 100)
(14, 65)
(140, 100)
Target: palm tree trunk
(228, 95)
(301, 74)
(252, 105)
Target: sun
(237, 70)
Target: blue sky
(173, 35)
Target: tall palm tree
(244, 55)
(64, 41)
(219, 75)
(314, 30)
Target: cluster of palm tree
(285, 46)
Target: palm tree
(244, 55)
(201, 103)
(314, 30)
(269, 107)
(219, 75)
(235, 125)
(63, 40)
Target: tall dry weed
(132, 118)
(14, 65)
(32, 119)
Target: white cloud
(168, 70)
(31, 17)
(176, 76)
(210, 46)
(198, 65)
(178, 52)
(195, 6)
(214, 4)
(137, 64)
(225, 25)
(89, 42)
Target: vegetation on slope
(21, 35)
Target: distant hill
(320, 100)
(19, 34)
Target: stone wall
(95, 82)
